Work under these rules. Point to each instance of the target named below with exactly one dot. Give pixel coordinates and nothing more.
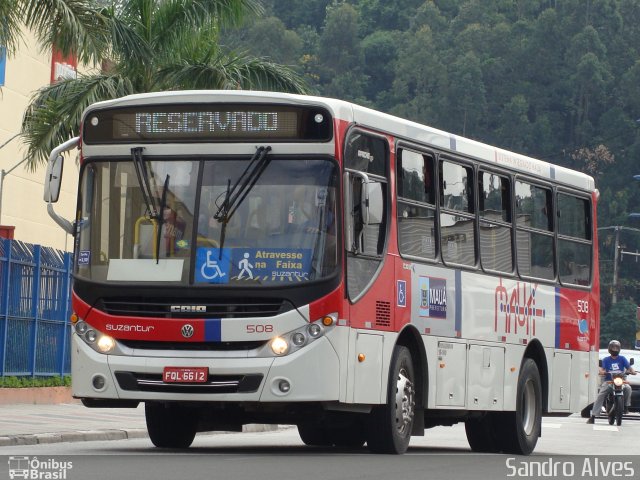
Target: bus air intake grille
(193, 346)
(383, 314)
(193, 307)
(145, 382)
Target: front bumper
(312, 372)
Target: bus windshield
(280, 230)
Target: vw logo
(187, 331)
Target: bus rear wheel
(389, 426)
(481, 434)
(170, 425)
(349, 435)
(519, 431)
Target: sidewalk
(24, 424)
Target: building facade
(21, 189)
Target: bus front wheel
(170, 425)
(389, 426)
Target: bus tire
(351, 435)
(519, 431)
(389, 426)
(481, 434)
(170, 425)
(313, 435)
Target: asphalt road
(569, 448)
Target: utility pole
(3, 173)
(614, 283)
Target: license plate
(185, 374)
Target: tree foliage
(620, 324)
(557, 80)
(139, 46)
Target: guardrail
(34, 310)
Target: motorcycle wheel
(619, 409)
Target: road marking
(551, 425)
(606, 428)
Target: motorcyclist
(613, 364)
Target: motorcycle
(614, 402)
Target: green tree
(153, 45)
(73, 26)
(269, 38)
(620, 324)
(340, 55)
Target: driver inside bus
(611, 365)
(302, 215)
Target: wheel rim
(529, 407)
(405, 403)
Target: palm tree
(145, 46)
(70, 25)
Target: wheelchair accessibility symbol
(402, 293)
(212, 265)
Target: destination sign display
(207, 123)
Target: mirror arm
(65, 224)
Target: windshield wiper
(154, 213)
(160, 219)
(244, 184)
(143, 179)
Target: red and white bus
(249, 257)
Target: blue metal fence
(34, 310)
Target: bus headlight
(300, 337)
(279, 346)
(90, 336)
(106, 344)
(97, 340)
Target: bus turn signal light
(361, 357)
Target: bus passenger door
(368, 275)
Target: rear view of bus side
(254, 257)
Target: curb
(103, 435)
(36, 396)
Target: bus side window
(416, 204)
(457, 214)
(495, 222)
(534, 231)
(574, 239)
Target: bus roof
(366, 117)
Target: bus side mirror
(373, 203)
(53, 180)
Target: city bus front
(207, 256)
